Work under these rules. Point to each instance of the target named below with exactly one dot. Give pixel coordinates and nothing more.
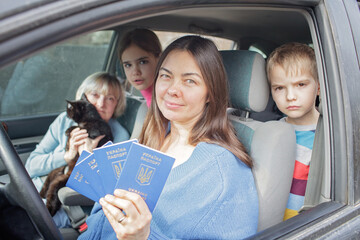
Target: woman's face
(139, 67)
(105, 103)
(181, 93)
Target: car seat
(270, 144)
(134, 115)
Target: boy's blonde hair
(294, 58)
(103, 82)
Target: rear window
(168, 37)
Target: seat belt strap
(318, 178)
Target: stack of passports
(127, 165)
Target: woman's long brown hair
(213, 126)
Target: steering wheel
(22, 192)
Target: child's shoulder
(311, 127)
(304, 128)
(283, 119)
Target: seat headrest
(248, 86)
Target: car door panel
(26, 133)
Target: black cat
(87, 117)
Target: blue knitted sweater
(210, 196)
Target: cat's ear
(69, 103)
(83, 97)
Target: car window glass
(40, 84)
(255, 49)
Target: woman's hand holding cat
(77, 138)
(90, 144)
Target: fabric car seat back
(270, 144)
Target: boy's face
(295, 95)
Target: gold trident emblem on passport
(117, 167)
(145, 174)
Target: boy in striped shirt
(293, 78)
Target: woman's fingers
(94, 142)
(76, 131)
(79, 141)
(122, 204)
(128, 214)
(77, 138)
(79, 135)
(136, 199)
(113, 213)
(115, 216)
(89, 144)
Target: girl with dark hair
(210, 192)
(139, 51)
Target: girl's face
(105, 103)
(181, 93)
(139, 67)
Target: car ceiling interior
(265, 28)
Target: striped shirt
(304, 144)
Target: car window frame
(331, 14)
(335, 113)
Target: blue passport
(85, 177)
(78, 182)
(90, 168)
(145, 173)
(111, 160)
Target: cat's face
(75, 109)
(81, 110)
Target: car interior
(253, 32)
(271, 144)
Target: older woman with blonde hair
(105, 92)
